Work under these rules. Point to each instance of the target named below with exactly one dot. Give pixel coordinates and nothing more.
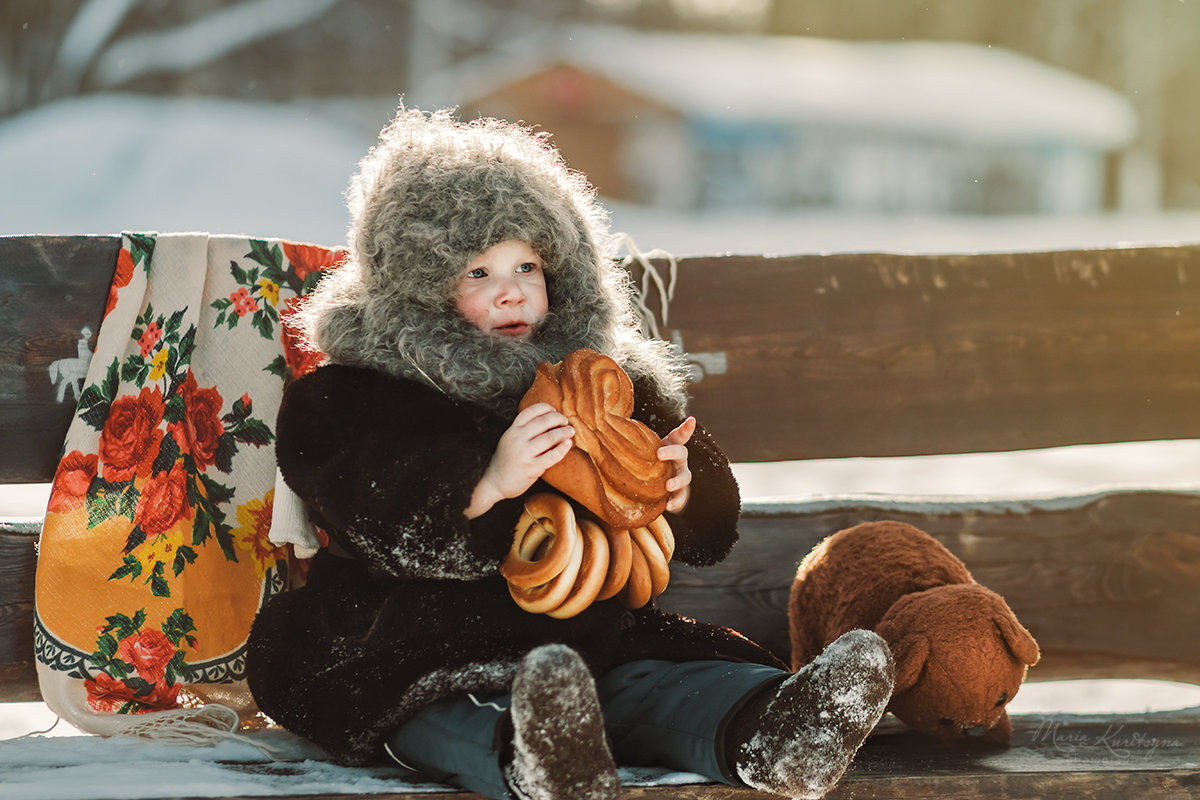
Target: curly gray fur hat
(430, 196)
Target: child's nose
(510, 292)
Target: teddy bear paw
(558, 746)
(808, 729)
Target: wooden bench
(832, 356)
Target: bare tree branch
(90, 30)
(202, 41)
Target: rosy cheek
(469, 310)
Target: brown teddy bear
(960, 652)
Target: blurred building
(706, 121)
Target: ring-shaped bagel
(546, 517)
(592, 572)
(664, 537)
(620, 561)
(656, 559)
(650, 570)
(549, 596)
(638, 589)
(558, 565)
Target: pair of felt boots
(795, 739)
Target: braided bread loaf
(613, 469)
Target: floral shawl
(154, 557)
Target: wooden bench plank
(1108, 587)
(1062, 756)
(884, 355)
(848, 355)
(18, 676)
(51, 288)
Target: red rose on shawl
(243, 302)
(307, 258)
(71, 481)
(148, 652)
(131, 438)
(160, 698)
(108, 694)
(164, 501)
(150, 339)
(121, 277)
(301, 357)
(201, 430)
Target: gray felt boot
(559, 749)
(799, 739)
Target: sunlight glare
(741, 9)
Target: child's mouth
(513, 329)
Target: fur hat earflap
(430, 196)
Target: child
(475, 254)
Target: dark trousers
(656, 713)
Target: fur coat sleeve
(387, 467)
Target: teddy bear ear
(1020, 641)
(909, 654)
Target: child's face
(502, 291)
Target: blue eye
(478, 272)
(529, 266)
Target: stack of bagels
(561, 562)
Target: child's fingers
(527, 415)
(680, 488)
(680, 480)
(673, 452)
(538, 420)
(556, 438)
(682, 433)
(678, 502)
(554, 454)
(541, 416)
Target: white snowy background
(107, 163)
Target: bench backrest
(826, 356)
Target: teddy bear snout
(967, 730)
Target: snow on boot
(799, 739)
(559, 747)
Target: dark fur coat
(412, 607)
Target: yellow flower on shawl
(159, 365)
(160, 549)
(269, 290)
(254, 524)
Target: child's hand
(538, 439)
(675, 449)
